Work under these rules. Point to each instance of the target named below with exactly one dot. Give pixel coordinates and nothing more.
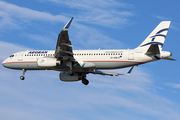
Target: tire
(70, 72)
(85, 82)
(22, 78)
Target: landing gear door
(131, 55)
(20, 58)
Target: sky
(151, 91)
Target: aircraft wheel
(70, 72)
(22, 78)
(85, 82)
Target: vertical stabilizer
(157, 36)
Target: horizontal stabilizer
(169, 59)
(112, 74)
(153, 50)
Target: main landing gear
(85, 81)
(70, 72)
(22, 77)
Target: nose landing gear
(22, 77)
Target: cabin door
(20, 58)
(131, 55)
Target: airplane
(76, 64)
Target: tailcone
(165, 54)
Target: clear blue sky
(151, 92)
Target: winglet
(68, 24)
(130, 70)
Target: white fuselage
(75, 65)
(102, 59)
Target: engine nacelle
(64, 76)
(47, 62)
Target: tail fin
(157, 36)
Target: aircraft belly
(27, 66)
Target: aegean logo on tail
(153, 38)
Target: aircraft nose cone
(5, 63)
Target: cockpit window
(12, 56)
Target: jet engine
(64, 76)
(47, 62)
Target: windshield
(12, 56)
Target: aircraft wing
(112, 74)
(63, 47)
